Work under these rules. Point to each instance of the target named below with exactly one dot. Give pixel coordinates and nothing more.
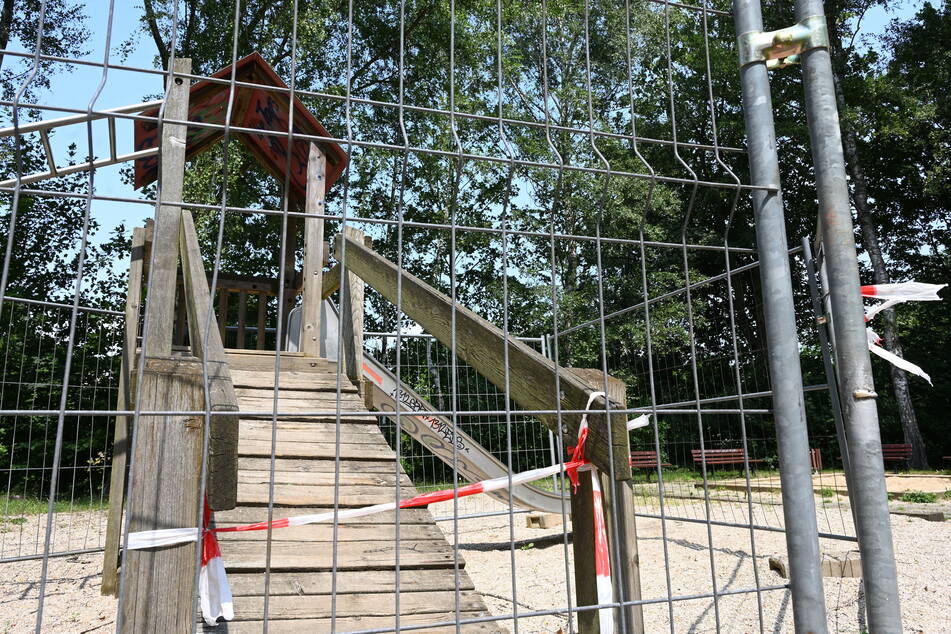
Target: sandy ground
(542, 562)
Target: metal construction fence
(546, 220)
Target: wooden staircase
(301, 558)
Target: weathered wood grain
(371, 555)
(251, 514)
(323, 533)
(353, 496)
(349, 624)
(160, 304)
(252, 447)
(313, 252)
(358, 605)
(159, 582)
(298, 465)
(351, 317)
(310, 583)
(206, 344)
(311, 381)
(530, 377)
(120, 445)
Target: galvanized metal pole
(854, 368)
(799, 510)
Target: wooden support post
(160, 582)
(120, 444)
(622, 536)
(351, 317)
(262, 321)
(290, 273)
(242, 318)
(223, 315)
(160, 305)
(313, 253)
(582, 545)
(222, 485)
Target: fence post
(799, 509)
(854, 368)
(619, 504)
(313, 252)
(160, 304)
(160, 582)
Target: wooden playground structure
(293, 431)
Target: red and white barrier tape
(896, 294)
(215, 593)
(905, 291)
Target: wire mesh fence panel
(387, 259)
(34, 354)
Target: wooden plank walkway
(302, 558)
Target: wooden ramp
(301, 558)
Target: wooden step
(298, 465)
(311, 381)
(369, 555)
(324, 533)
(351, 496)
(351, 605)
(253, 514)
(262, 400)
(348, 582)
(353, 624)
(290, 449)
(311, 431)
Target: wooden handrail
(531, 378)
(120, 445)
(206, 344)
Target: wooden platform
(302, 559)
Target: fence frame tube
(802, 542)
(854, 367)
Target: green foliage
(919, 497)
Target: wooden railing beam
(160, 305)
(529, 379)
(206, 344)
(313, 252)
(120, 443)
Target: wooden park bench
(721, 456)
(899, 452)
(646, 460)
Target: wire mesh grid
(571, 172)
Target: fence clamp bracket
(783, 47)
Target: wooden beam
(313, 253)
(582, 546)
(160, 305)
(160, 582)
(619, 514)
(531, 377)
(120, 444)
(331, 282)
(206, 344)
(242, 318)
(262, 315)
(351, 314)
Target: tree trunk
(6, 25)
(870, 240)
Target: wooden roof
(254, 108)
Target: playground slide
(473, 461)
